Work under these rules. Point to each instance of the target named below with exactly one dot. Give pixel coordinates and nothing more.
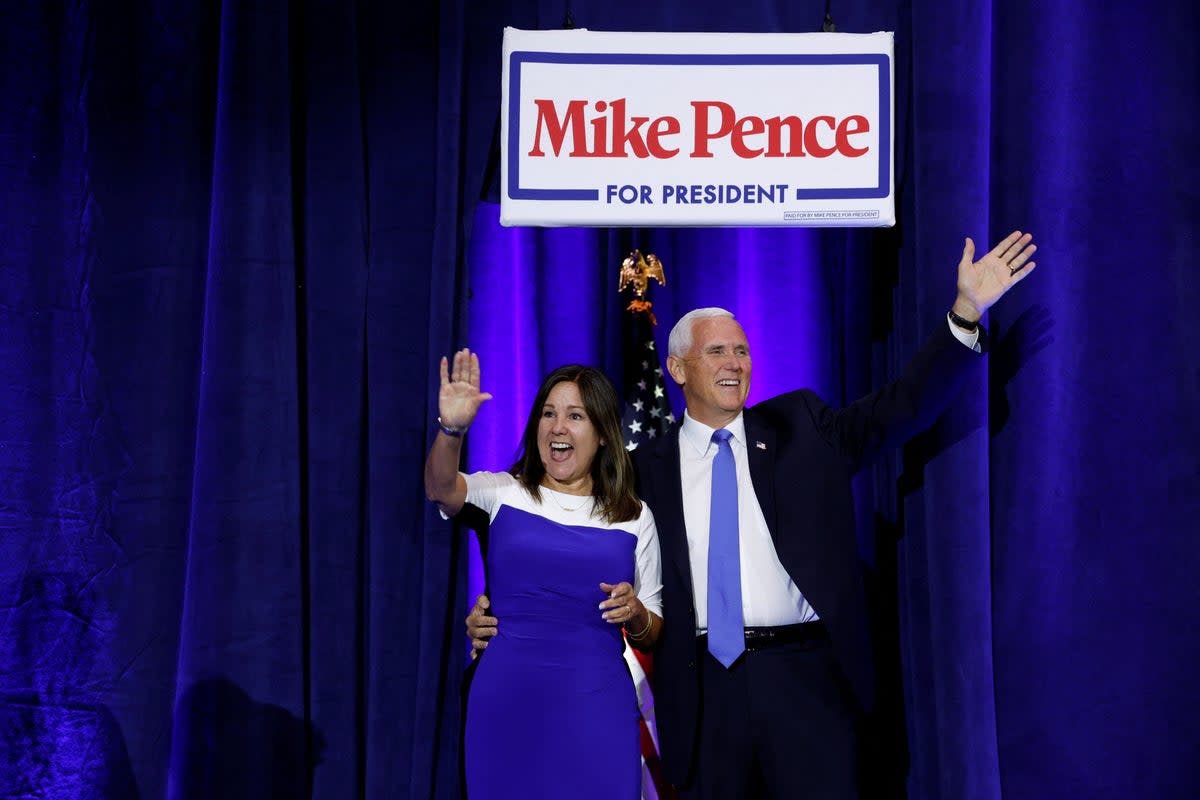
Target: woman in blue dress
(572, 558)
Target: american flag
(647, 409)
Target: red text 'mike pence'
(611, 132)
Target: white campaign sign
(651, 129)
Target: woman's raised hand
(459, 398)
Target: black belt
(762, 638)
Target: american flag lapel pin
(760, 445)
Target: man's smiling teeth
(728, 382)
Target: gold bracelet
(645, 630)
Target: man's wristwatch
(965, 324)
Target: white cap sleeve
(647, 583)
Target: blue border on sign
(517, 58)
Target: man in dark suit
(764, 667)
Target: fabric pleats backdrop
(236, 237)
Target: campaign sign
(661, 129)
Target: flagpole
(647, 416)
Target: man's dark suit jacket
(802, 454)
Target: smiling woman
(564, 446)
(568, 574)
(567, 441)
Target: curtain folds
(236, 237)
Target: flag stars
(647, 411)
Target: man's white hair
(680, 341)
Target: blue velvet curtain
(234, 238)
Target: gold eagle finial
(636, 271)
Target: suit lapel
(667, 505)
(760, 445)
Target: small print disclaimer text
(805, 216)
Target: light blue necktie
(726, 635)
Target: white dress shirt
(769, 597)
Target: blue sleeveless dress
(552, 711)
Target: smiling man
(764, 664)
(709, 358)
